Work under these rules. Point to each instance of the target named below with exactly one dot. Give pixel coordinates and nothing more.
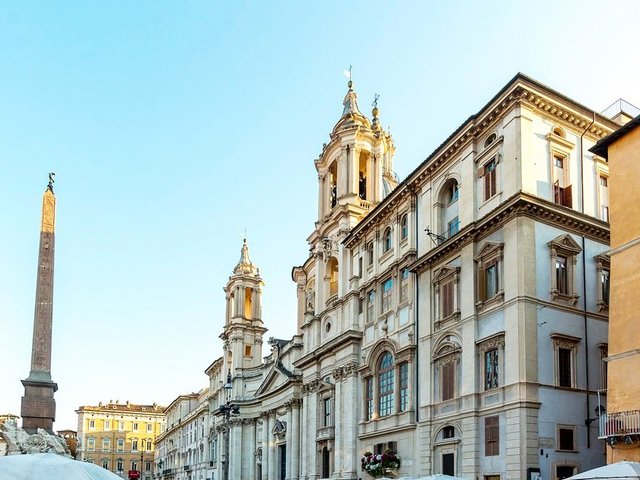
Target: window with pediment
(489, 271)
(603, 269)
(564, 252)
(447, 364)
(565, 349)
(491, 352)
(446, 302)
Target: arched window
(558, 131)
(385, 385)
(332, 276)
(490, 139)
(449, 220)
(386, 240)
(404, 227)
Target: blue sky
(174, 126)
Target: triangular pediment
(565, 243)
(445, 272)
(488, 249)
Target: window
(448, 432)
(332, 276)
(565, 471)
(387, 290)
(404, 227)
(247, 351)
(566, 438)
(369, 397)
(385, 385)
(91, 443)
(445, 286)
(120, 425)
(564, 252)
(404, 285)
(120, 445)
(119, 465)
(149, 427)
(558, 161)
(604, 352)
(106, 443)
(453, 193)
(489, 179)
(105, 464)
(135, 426)
(565, 347)
(448, 381)
(561, 274)
(134, 446)
(92, 424)
(370, 254)
(149, 444)
(491, 436)
(403, 390)
(107, 425)
(326, 418)
(603, 194)
(147, 466)
(491, 369)
(490, 139)
(134, 465)
(371, 303)
(603, 263)
(386, 240)
(359, 267)
(489, 270)
(453, 227)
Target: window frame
(387, 296)
(565, 247)
(446, 364)
(489, 179)
(387, 240)
(559, 440)
(603, 268)
(405, 275)
(386, 385)
(565, 343)
(404, 227)
(492, 436)
(490, 255)
(446, 284)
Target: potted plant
(380, 465)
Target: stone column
(235, 448)
(349, 421)
(289, 440)
(266, 459)
(311, 433)
(339, 421)
(295, 439)
(250, 449)
(273, 449)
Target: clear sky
(173, 126)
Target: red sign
(134, 474)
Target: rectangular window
(92, 424)
(134, 465)
(604, 285)
(327, 412)
(147, 467)
(371, 303)
(566, 440)
(448, 381)
(387, 290)
(121, 426)
(446, 293)
(565, 471)
(107, 425)
(558, 161)
(106, 444)
(605, 213)
(491, 369)
(119, 465)
(105, 464)
(120, 445)
(448, 467)
(91, 443)
(247, 351)
(149, 444)
(135, 426)
(404, 285)
(561, 275)
(149, 427)
(491, 436)
(134, 445)
(491, 281)
(603, 366)
(454, 193)
(564, 367)
(453, 227)
(403, 375)
(359, 267)
(489, 179)
(369, 397)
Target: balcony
(620, 424)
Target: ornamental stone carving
(19, 442)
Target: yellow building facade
(620, 426)
(120, 437)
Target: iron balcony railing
(619, 424)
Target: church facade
(457, 318)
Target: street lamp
(226, 411)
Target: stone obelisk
(38, 408)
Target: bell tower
(243, 329)
(355, 172)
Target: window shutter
(568, 197)
(491, 436)
(448, 379)
(482, 284)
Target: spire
(350, 102)
(375, 124)
(244, 264)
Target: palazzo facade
(457, 317)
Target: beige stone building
(120, 437)
(457, 317)
(621, 424)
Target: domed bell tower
(243, 329)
